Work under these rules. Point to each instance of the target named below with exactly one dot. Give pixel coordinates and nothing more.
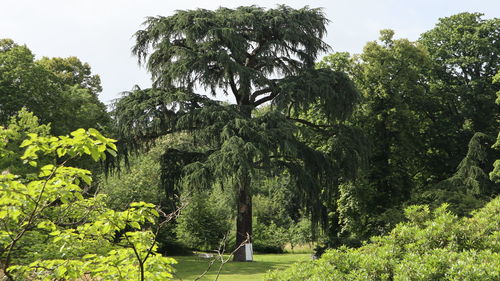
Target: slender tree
(260, 57)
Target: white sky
(100, 31)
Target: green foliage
(278, 219)
(273, 200)
(428, 113)
(353, 210)
(20, 78)
(49, 230)
(203, 223)
(269, 238)
(214, 46)
(433, 245)
(301, 233)
(60, 91)
(495, 174)
(461, 81)
(19, 127)
(464, 48)
(470, 173)
(379, 147)
(339, 61)
(87, 250)
(394, 92)
(71, 71)
(140, 181)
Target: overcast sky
(100, 31)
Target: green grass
(300, 249)
(190, 267)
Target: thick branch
(234, 88)
(310, 124)
(265, 99)
(260, 92)
(250, 60)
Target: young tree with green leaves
(258, 56)
(51, 230)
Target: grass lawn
(190, 267)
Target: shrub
(268, 238)
(433, 245)
(202, 224)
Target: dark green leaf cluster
(226, 47)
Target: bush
(433, 245)
(140, 181)
(268, 238)
(202, 224)
(300, 233)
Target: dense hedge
(431, 245)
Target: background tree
(395, 103)
(23, 83)
(464, 52)
(464, 49)
(72, 71)
(392, 114)
(60, 91)
(420, 110)
(257, 56)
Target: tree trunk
(244, 214)
(244, 219)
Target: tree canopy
(429, 114)
(60, 91)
